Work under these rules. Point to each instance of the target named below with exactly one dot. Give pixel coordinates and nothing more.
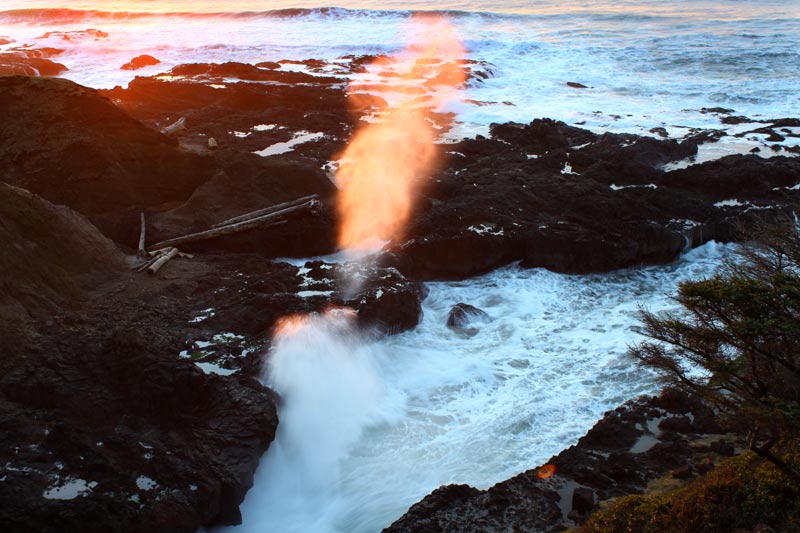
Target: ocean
(370, 428)
(651, 63)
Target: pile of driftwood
(161, 252)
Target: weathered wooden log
(161, 261)
(268, 219)
(176, 127)
(141, 252)
(160, 251)
(141, 267)
(266, 211)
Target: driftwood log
(158, 257)
(141, 267)
(275, 215)
(160, 251)
(267, 210)
(161, 260)
(176, 127)
(141, 252)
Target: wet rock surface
(545, 193)
(575, 202)
(140, 62)
(117, 437)
(29, 62)
(624, 452)
(464, 314)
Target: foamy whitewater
(367, 429)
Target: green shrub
(741, 493)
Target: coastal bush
(746, 492)
(736, 342)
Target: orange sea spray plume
(386, 160)
(544, 472)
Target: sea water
(369, 427)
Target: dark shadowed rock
(96, 158)
(737, 176)
(523, 507)
(571, 201)
(582, 500)
(262, 292)
(140, 62)
(682, 472)
(112, 437)
(661, 132)
(681, 424)
(735, 119)
(576, 85)
(541, 135)
(28, 63)
(50, 256)
(464, 314)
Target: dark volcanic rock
(555, 196)
(541, 135)
(523, 507)
(109, 436)
(96, 158)
(28, 63)
(582, 500)
(737, 176)
(102, 426)
(254, 300)
(245, 107)
(140, 62)
(463, 314)
(578, 251)
(50, 257)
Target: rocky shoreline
(131, 402)
(667, 440)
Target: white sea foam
(281, 148)
(332, 391)
(368, 430)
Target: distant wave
(70, 16)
